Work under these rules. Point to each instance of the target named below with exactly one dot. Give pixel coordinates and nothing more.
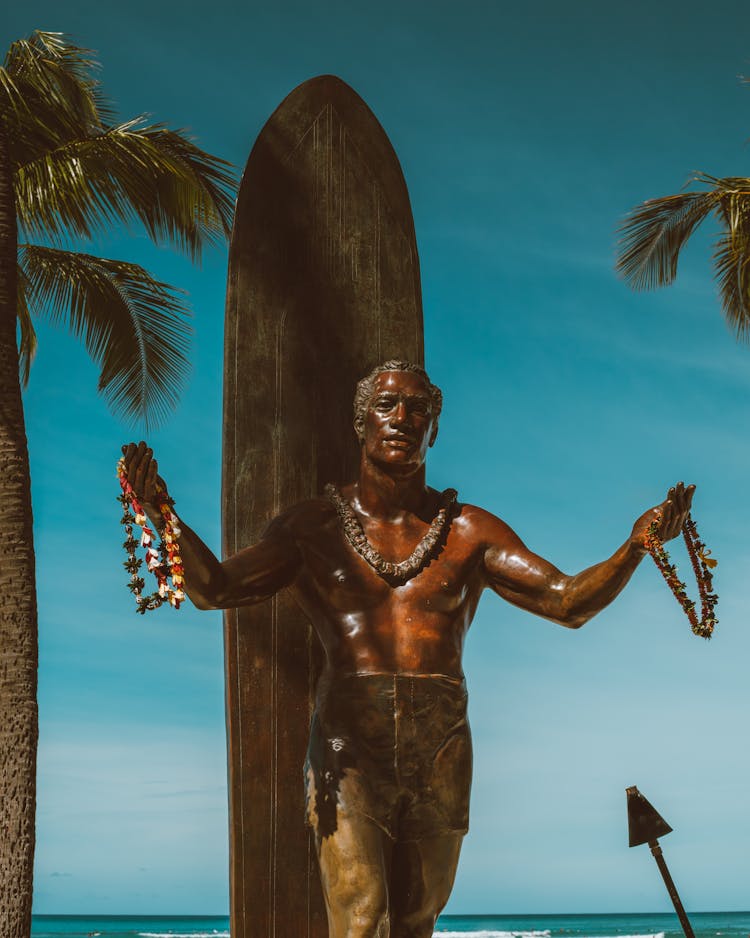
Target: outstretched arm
(250, 576)
(529, 581)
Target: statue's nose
(400, 414)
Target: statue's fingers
(129, 451)
(141, 471)
(133, 458)
(136, 479)
(686, 492)
(141, 451)
(680, 508)
(686, 496)
(669, 506)
(667, 516)
(151, 477)
(679, 513)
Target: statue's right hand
(142, 472)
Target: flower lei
(165, 562)
(700, 558)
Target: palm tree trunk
(18, 614)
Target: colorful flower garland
(165, 563)
(702, 563)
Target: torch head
(645, 824)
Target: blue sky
(571, 404)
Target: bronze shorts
(393, 748)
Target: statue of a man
(389, 572)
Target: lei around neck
(421, 556)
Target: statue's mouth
(400, 442)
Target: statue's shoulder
(482, 526)
(304, 518)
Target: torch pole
(671, 888)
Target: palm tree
(68, 171)
(655, 231)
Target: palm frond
(60, 70)
(34, 128)
(732, 258)
(216, 177)
(724, 183)
(44, 47)
(655, 232)
(133, 326)
(133, 171)
(49, 95)
(27, 334)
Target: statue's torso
(367, 625)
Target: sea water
(640, 925)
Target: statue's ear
(433, 435)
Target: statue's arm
(250, 576)
(527, 580)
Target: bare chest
(345, 582)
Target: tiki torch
(645, 824)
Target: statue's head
(396, 402)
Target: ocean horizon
(593, 925)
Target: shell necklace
(423, 553)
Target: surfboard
(323, 284)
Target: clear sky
(525, 131)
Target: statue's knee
(357, 900)
(367, 912)
(370, 924)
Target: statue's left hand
(670, 515)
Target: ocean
(633, 925)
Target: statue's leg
(355, 861)
(422, 875)
(435, 769)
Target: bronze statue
(390, 572)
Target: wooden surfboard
(323, 285)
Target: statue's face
(399, 425)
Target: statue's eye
(384, 404)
